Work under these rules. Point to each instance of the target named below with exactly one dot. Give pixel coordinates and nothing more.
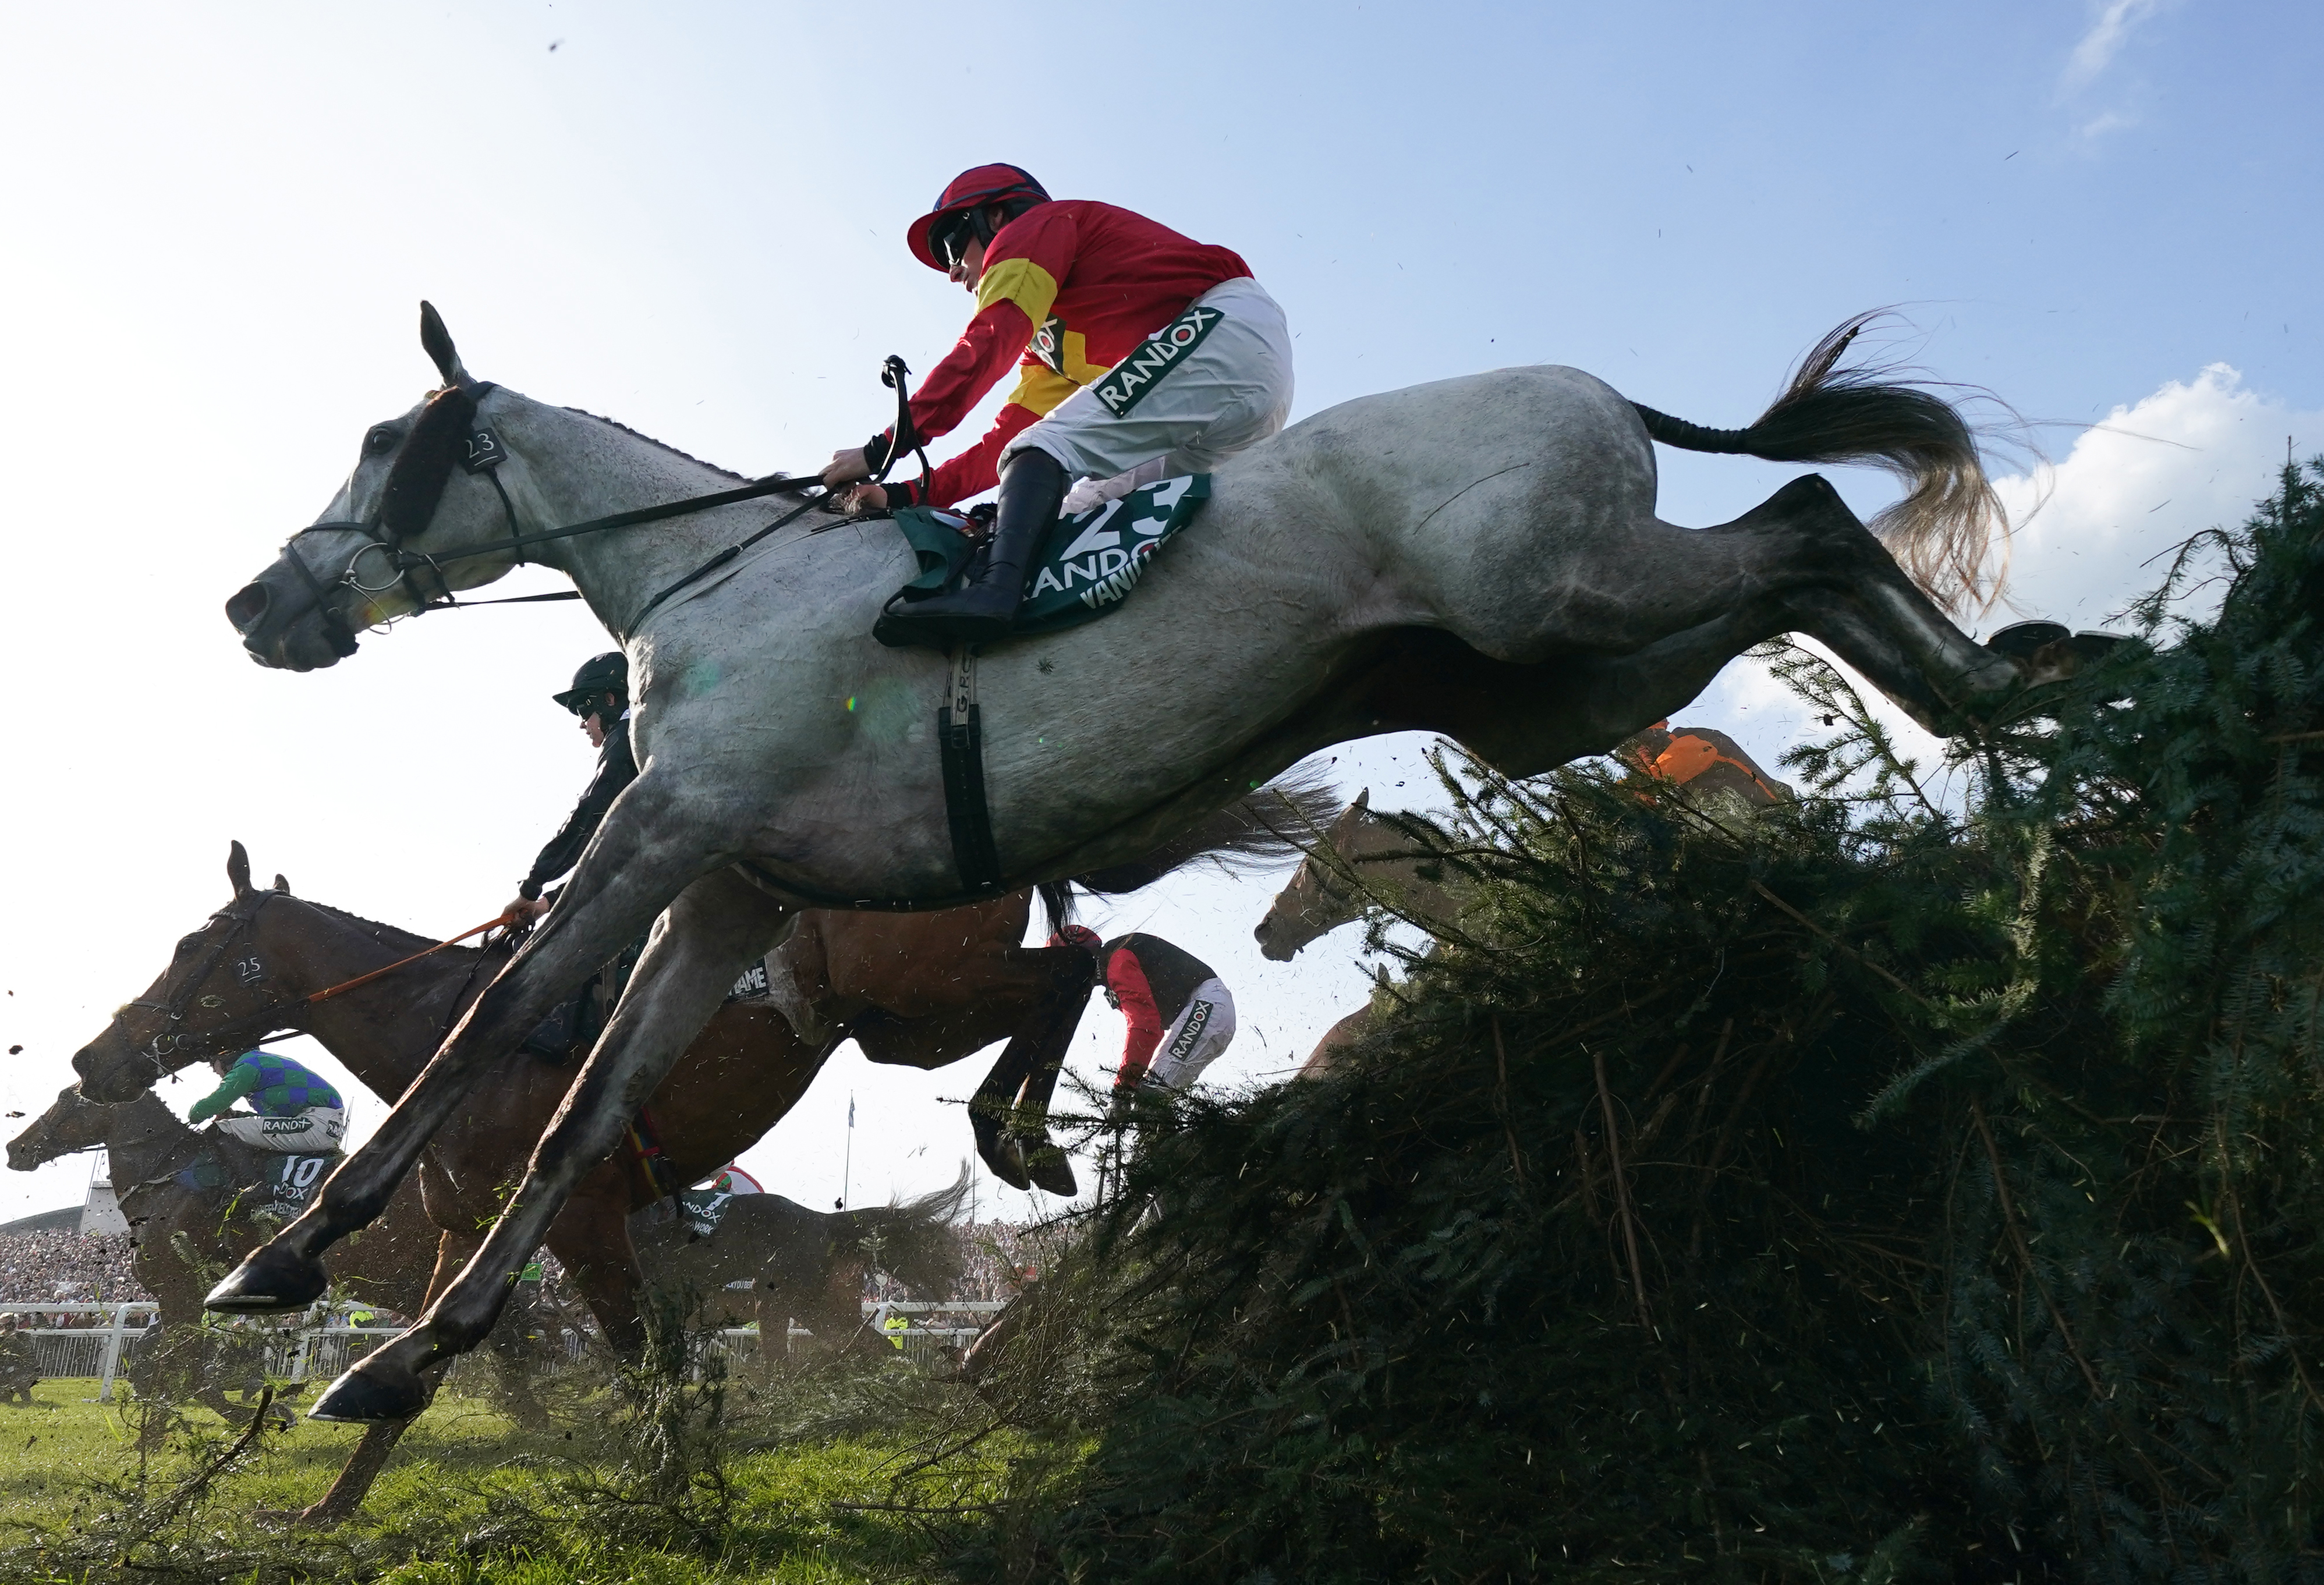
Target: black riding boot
(1032, 489)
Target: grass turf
(469, 1497)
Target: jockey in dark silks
(1173, 1001)
(600, 697)
(1140, 353)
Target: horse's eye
(189, 944)
(379, 442)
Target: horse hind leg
(1847, 591)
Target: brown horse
(185, 1195)
(924, 989)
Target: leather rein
(484, 454)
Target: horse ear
(238, 869)
(438, 343)
(281, 885)
(1363, 800)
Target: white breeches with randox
(1231, 389)
(1199, 1036)
(316, 1132)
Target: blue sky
(689, 217)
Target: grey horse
(1480, 557)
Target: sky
(215, 223)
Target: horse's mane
(662, 445)
(393, 936)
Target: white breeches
(1232, 390)
(316, 1132)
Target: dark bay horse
(924, 989)
(806, 1264)
(184, 1192)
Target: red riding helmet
(970, 190)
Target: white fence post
(112, 1353)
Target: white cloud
(2098, 47)
(2196, 453)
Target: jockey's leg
(1229, 386)
(1198, 1038)
(1032, 485)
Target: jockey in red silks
(1172, 1000)
(1140, 353)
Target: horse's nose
(247, 608)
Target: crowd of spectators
(1002, 1257)
(67, 1267)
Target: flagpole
(847, 1170)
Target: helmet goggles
(948, 238)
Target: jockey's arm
(1127, 980)
(1017, 287)
(615, 770)
(240, 1080)
(994, 340)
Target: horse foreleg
(713, 929)
(336, 1506)
(624, 880)
(1336, 1039)
(591, 1239)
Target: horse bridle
(243, 913)
(418, 474)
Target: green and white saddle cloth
(1089, 564)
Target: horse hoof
(375, 1392)
(1051, 1170)
(1006, 1160)
(2092, 645)
(2020, 640)
(272, 1280)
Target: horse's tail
(1260, 831)
(1943, 530)
(918, 1243)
